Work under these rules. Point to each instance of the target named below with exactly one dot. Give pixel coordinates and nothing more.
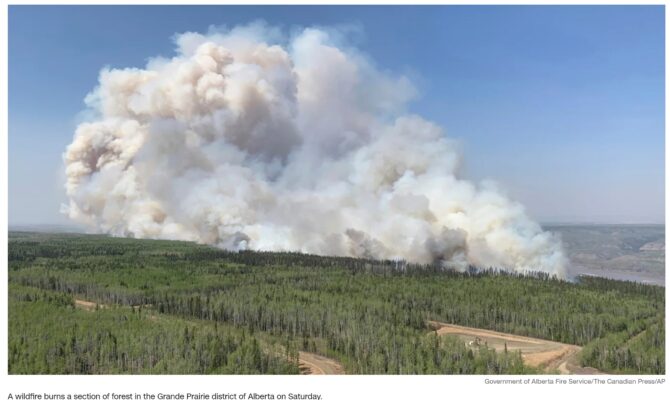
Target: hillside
(625, 252)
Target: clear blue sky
(564, 106)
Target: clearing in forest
(545, 354)
(314, 364)
(86, 305)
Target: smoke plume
(303, 146)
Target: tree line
(371, 315)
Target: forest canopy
(178, 307)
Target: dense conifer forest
(177, 307)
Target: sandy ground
(90, 306)
(87, 305)
(314, 364)
(545, 354)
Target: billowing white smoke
(246, 145)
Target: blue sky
(563, 106)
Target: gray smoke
(245, 144)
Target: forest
(182, 308)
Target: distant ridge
(47, 228)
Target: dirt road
(87, 305)
(545, 354)
(314, 364)
(309, 363)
